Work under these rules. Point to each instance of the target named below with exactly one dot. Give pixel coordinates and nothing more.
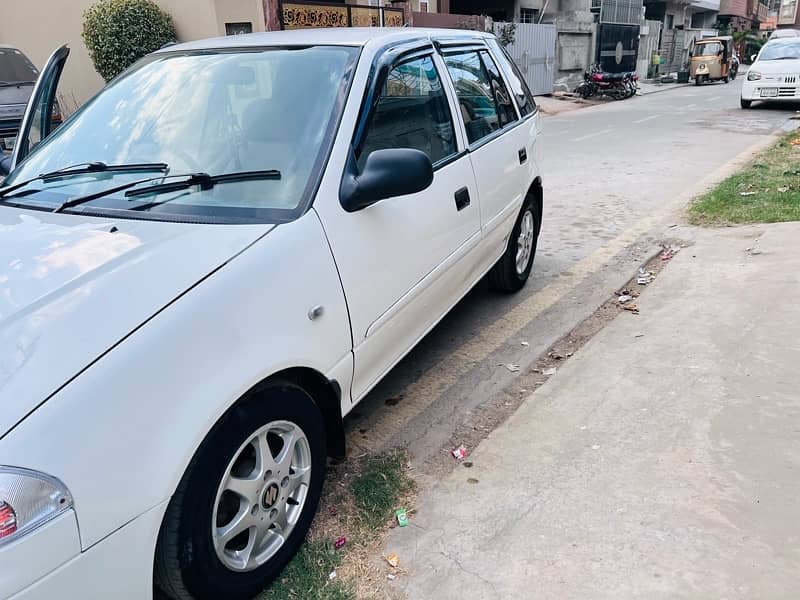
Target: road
(615, 174)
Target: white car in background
(209, 264)
(775, 74)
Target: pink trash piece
(459, 453)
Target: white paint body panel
(159, 393)
(26, 560)
(122, 350)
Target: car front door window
(412, 112)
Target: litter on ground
(393, 560)
(340, 542)
(401, 516)
(459, 452)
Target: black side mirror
(386, 174)
(5, 166)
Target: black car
(17, 78)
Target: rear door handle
(462, 198)
(523, 156)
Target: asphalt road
(614, 176)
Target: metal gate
(534, 51)
(648, 49)
(618, 46)
(302, 14)
(673, 42)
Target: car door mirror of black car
(5, 166)
(386, 174)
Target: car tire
(190, 562)
(727, 78)
(745, 103)
(511, 272)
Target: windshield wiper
(82, 168)
(204, 180)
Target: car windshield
(711, 49)
(15, 67)
(213, 112)
(781, 51)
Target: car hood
(768, 67)
(72, 287)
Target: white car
(209, 264)
(775, 74)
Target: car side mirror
(5, 166)
(386, 174)
(753, 57)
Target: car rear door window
(505, 105)
(483, 98)
(516, 81)
(412, 112)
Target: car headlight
(753, 75)
(28, 500)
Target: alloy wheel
(525, 242)
(261, 496)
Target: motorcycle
(616, 86)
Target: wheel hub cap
(261, 496)
(525, 242)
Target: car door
(499, 155)
(37, 122)
(405, 261)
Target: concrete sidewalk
(661, 461)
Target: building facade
(788, 17)
(58, 22)
(741, 15)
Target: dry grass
(358, 502)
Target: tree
(507, 33)
(747, 42)
(117, 33)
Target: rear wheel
(745, 103)
(514, 267)
(727, 78)
(247, 499)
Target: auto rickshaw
(712, 59)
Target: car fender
(121, 434)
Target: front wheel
(246, 502)
(745, 103)
(514, 267)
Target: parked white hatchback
(775, 74)
(209, 264)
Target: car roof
(780, 34)
(783, 41)
(334, 36)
